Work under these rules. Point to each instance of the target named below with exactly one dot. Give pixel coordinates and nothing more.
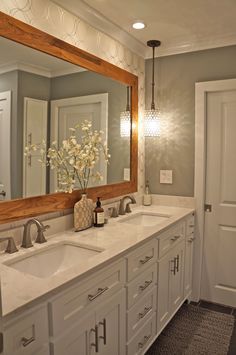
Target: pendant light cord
(153, 83)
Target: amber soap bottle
(98, 214)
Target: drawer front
(142, 284)
(141, 258)
(27, 335)
(66, 309)
(144, 337)
(140, 312)
(169, 238)
(190, 225)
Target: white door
(35, 131)
(5, 150)
(219, 254)
(66, 113)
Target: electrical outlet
(166, 177)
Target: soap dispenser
(98, 214)
(147, 198)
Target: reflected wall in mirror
(41, 98)
(38, 97)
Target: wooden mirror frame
(27, 35)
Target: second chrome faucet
(122, 209)
(40, 238)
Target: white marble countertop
(19, 289)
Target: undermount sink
(145, 219)
(53, 259)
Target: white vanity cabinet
(189, 244)
(171, 265)
(89, 318)
(141, 297)
(102, 331)
(28, 333)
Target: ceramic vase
(83, 213)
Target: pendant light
(125, 118)
(152, 116)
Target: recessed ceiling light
(138, 25)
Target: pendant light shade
(125, 118)
(152, 116)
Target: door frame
(201, 90)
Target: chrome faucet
(27, 242)
(122, 210)
(11, 246)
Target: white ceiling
(181, 25)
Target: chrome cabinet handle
(173, 239)
(146, 284)
(100, 291)
(190, 240)
(174, 267)
(26, 341)
(145, 339)
(147, 258)
(143, 314)
(95, 344)
(191, 225)
(177, 263)
(104, 337)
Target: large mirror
(42, 96)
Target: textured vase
(83, 213)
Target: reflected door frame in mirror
(27, 35)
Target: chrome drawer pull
(99, 293)
(104, 337)
(190, 240)
(177, 262)
(146, 284)
(95, 330)
(173, 270)
(173, 239)
(25, 342)
(145, 339)
(143, 314)
(147, 258)
(191, 225)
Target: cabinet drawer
(27, 334)
(190, 225)
(141, 258)
(170, 237)
(144, 337)
(66, 309)
(140, 312)
(142, 284)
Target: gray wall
(175, 79)
(9, 81)
(88, 83)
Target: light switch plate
(166, 177)
(126, 174)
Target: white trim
(201, 90)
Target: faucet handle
(40, 236)
(11, 246)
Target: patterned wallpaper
(51, 18)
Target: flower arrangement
(75, 159)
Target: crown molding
(33, 69)
(101, 23)
(182, 46)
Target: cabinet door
(163, 291)
(188, 269)
(177, 277)
(79, 340)
(110, 318)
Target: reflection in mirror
(41, 97)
